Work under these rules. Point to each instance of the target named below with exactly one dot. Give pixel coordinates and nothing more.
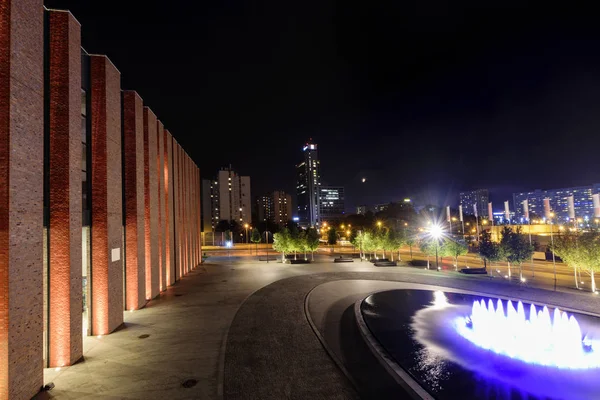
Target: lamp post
(436, 233)
(552, 241)
(267, 240)
(246, 227)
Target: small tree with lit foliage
(312, 241)
(282, 242)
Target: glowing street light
(436, 233)
(246, 226)
(379, 224)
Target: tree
(358, 241)
(400, 240)
(369, 243)
(379, 241)
(565, 246)
(410, 241)
(454, 249)
(515, 248)
(505, 246)
(282, 242)
(489, 251)
(428, 246)
(300, 244)
(391, 241)
(312, 241)
(331, 236)
(580, 250)
(352, 237)
(255, 238)
(589, 245)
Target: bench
(375, 260)
(298, 261)
(480, 271)
(386, 263)
(342, 259)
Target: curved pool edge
(323, 342)
(411, 386)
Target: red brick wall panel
(107, 271)
(176, 237)
(133, 126)
(170, 254)
(151, 204)
(160, 132)
(64, 114)
(21, 197)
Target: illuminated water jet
(553, 342)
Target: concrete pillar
(135, 256)
(107, 263)
(21, 197)
(151, 204)
(65, 158)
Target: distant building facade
(282, 207)
(582, 202)
(362, 210)
(207, 206)
(478, 198)
(275, 207)
(380, 207)
(230, 198)
(331, 200)
(264, 208)
(308, 182)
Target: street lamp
(436, 232)
(552, 241)
(379, 224)
(246, 226)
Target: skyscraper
(308, 183)
(480, 198)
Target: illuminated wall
(21, 197)
(107, 171)
(135, 246)
(64, 189)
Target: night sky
(423, 98)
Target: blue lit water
(419, 329)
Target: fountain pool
(472, 347)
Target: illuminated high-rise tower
(308, 182)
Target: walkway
(246, 319)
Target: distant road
(538, 274)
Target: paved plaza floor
(237, 328)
